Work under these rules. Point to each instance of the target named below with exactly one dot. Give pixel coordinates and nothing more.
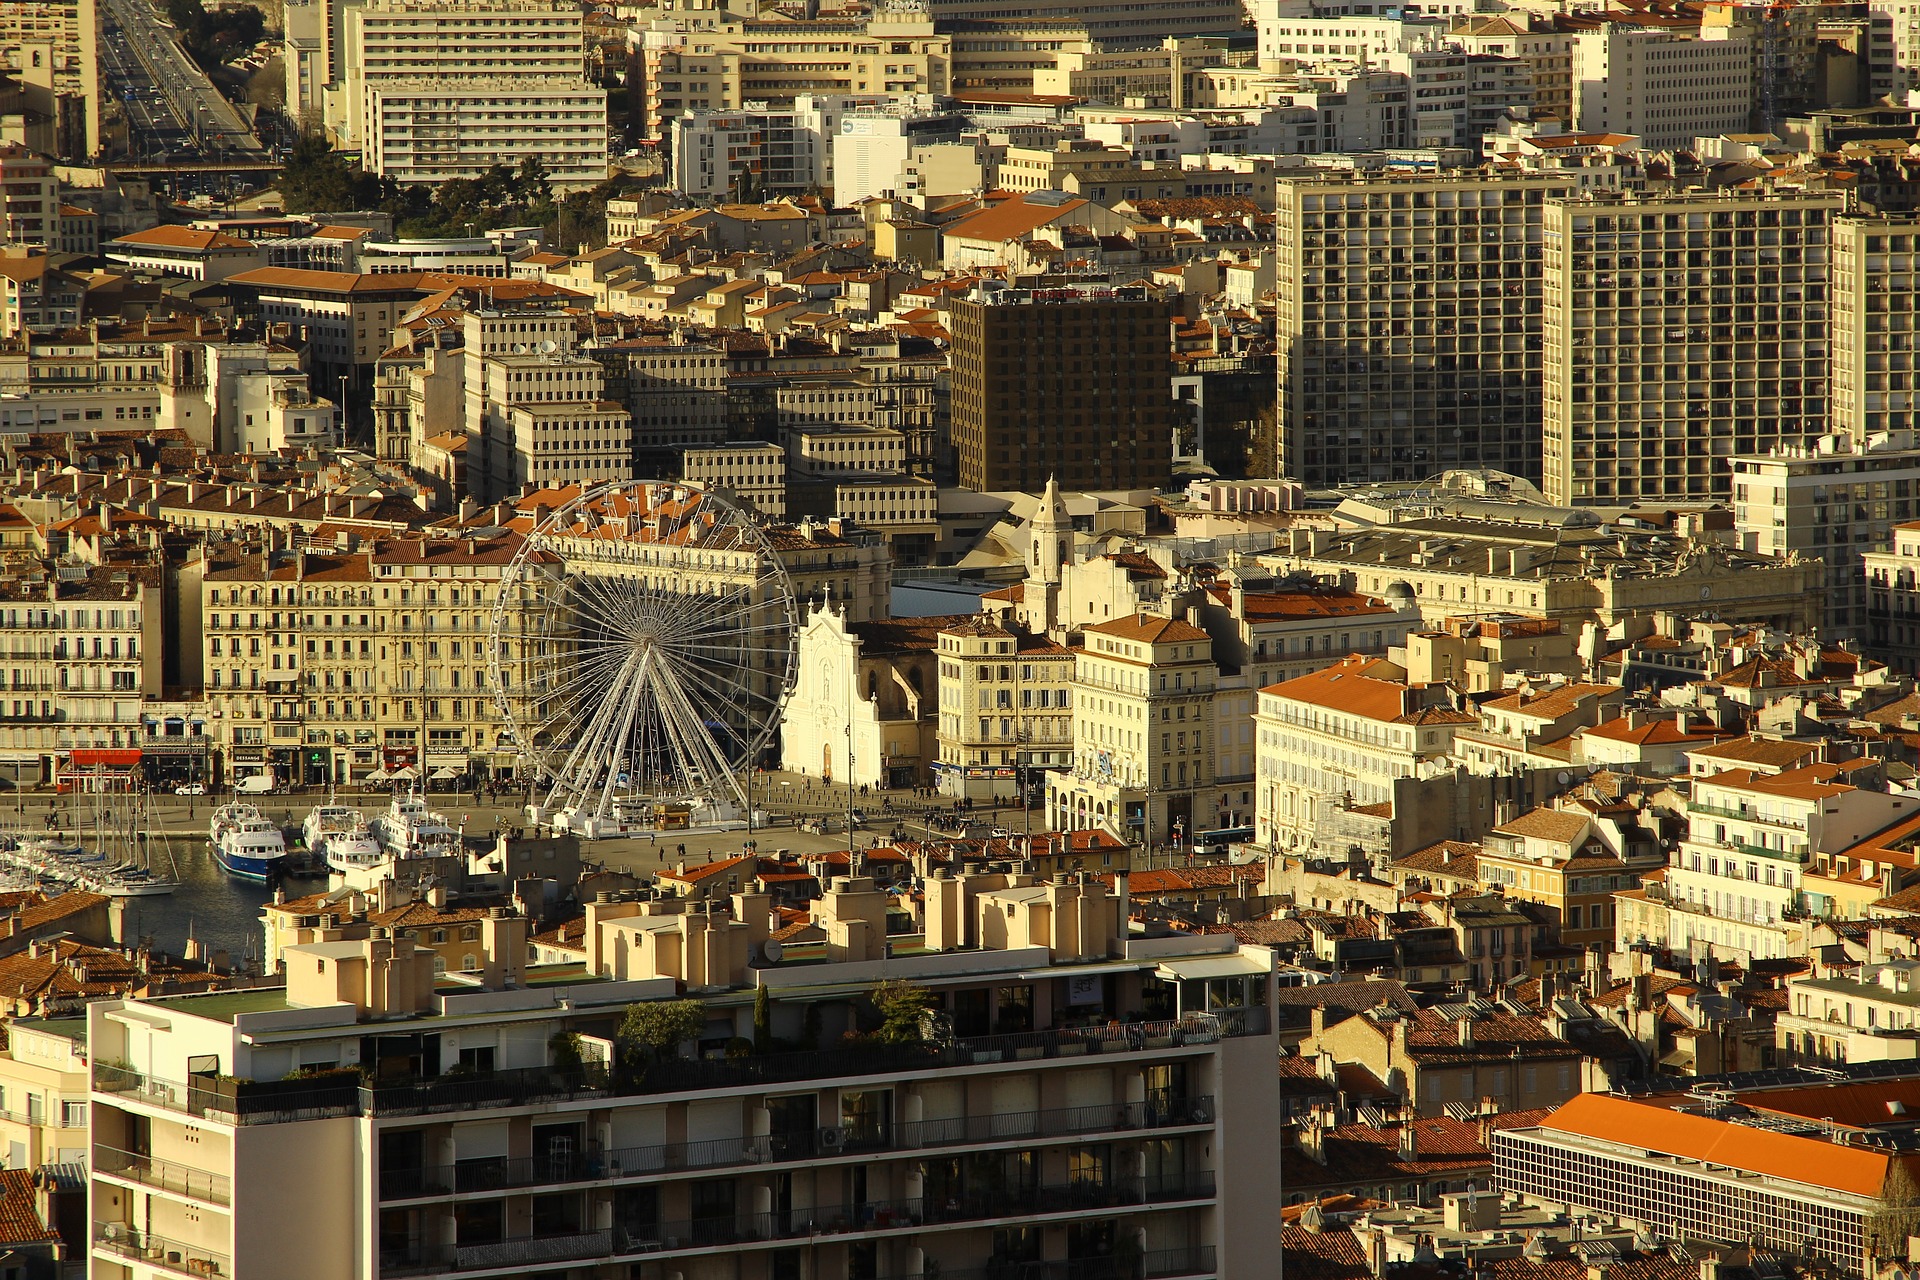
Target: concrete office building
(1680, 331)
(1066, 384)
(1875, 296)
(1409, 309)
(495, 1128)
(1832, 499)
(1797, 1165)
(438, 89)
(1664, 87)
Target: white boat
(354, 850)
(408, 829)
(328, 820)
(246, 845)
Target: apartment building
(751, 471)
(1563, 573)
(1665, 87)
(43, 1091)
(675, 392)
(1680, 331)
(52, 49)
(1838, 498)
(32, 196)
(1006, 709)
(1564, 861)
(502, 1123)
(1547, 53)
(695, 63)
(1145, 732)
(325, 666)
(1114, 24)
(422, 129)
(1769, 1164)
(1893, 50)
(435, 89)
(35, 295)
(1409, 313)
(1874, 299)
(759, 151)
(1893, 598)
(1066, 384)
(84, 644)
(1735, 882)
(1341, 736)
(1863, 1016)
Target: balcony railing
(163, 1175)
(721, 1230)
(158, 1252)
(631, 1162)
(498, 1089)
(233, 1101)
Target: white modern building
(429, 90)
(1101, 1095)
(1665, 87)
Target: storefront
(94, 770)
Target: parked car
(191, 789)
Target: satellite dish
(771, 950)
(549, 346)
(1565, 777)
(520, 348)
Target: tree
(654, 1028)
(1898, 1214)
(901, 1006)
(762, 1021)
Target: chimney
(1409, 1142)
(1466, 1032)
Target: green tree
(654, 1028)
(762, 1021)
(901, 1005)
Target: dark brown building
(1074, 384)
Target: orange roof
(1655, 1126)
(1367, 687)
(1551, 704)
(1009, 220)
(172, 237)
(1151, 629)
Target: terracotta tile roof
(19, 1210)
(175, 237)
(1655, 733)
(1554, 825)
(1448, 857)
(693, 875)
(1009, 220)
(1150, 628)
(1322, 1255)
(1770, 752)
(1553, 703)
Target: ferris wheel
(643, 641)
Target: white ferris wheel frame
(662, 688)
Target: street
(164, 92)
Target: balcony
(1155, 1265)
(163, 1175)
(120, 1241)
(723, 1230)
(226, 1100)
(1749, 815)
(632, 1162)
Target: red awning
(115, 757)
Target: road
(211, 122)
(155, 132)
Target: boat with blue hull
(247, 846)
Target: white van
(254, 784)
